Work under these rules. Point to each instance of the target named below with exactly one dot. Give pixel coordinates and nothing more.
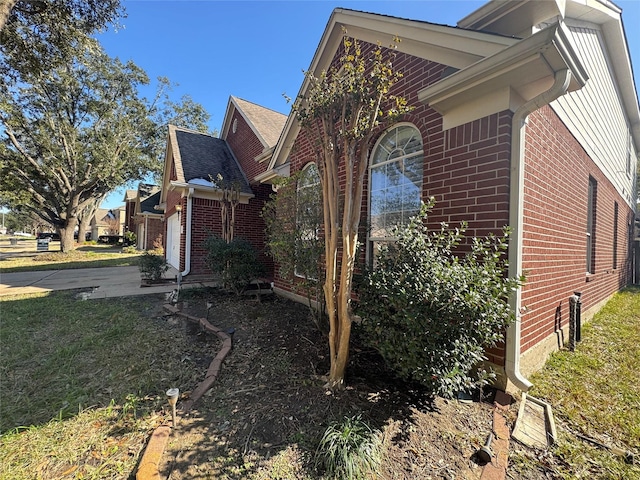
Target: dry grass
(83, 382)
(85, 256)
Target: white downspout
(187, 241)
(516, 219)
(146, 232)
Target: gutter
(187, 241)
(562, 79)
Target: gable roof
(266, 124)
(199, 157)
(511, 60)
(130, 195)
(453, 46)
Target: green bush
(236, 262)
(152, 267)
(129, 238)
(432, 313)
(349, 449)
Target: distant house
(525, 115)
(143, 217)
(107, 222)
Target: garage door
(173, 241)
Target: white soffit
(525, 70)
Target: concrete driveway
(106, 282)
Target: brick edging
(148, 468)
(497, 468)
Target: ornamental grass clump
(349, 449)
(432, 311)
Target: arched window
(308, 222)
(395, 181)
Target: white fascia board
(203, 191)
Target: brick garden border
(148, 468)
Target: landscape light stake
(485, 454)
(172, 396)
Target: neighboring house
(198, 167)
(107, 222)
(525, 115)
(143, 216)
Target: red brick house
(142, 216)
(526, 115)
(198, 165)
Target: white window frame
(372, 240)
(311, 234)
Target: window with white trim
(395, 182)
(308, 219)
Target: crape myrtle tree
(72, 134)
(341, 111)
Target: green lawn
(83, 385)
(595, 392)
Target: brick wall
(245, 146)
(466, 168)
(206, 221)
(155, 229)
(556, 188)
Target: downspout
(516, 219)
(187, 241)
(146, 232)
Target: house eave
(269, 176)
(518, 74)
(444, 44)
(204, 191)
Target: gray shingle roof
(147, 205)
(203, 156)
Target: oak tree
(71, 136)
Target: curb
(148, 469)
(497, 468)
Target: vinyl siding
(595, 115)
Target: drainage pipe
(516, 219)
(187, 241)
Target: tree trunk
(67, 242)
(5, 11)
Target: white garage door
(173, 241)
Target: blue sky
(257, 50)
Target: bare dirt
(265, 414)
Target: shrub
(236, 262)
(152, 267)
(129, 238)
(432, 313)
(349, 449)
(293, 218)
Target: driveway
(106, 282)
